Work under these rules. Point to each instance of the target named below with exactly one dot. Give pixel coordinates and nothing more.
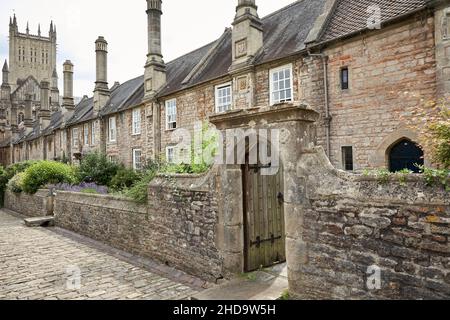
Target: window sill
(136, 134)
(274, 104)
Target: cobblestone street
(38, 263)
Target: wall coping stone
(104, 201)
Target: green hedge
(47, 172)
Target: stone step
(268, 285)
(48, 221)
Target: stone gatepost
(296, 127)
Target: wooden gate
(264, 218)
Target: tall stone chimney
(155, 68)
(247, 33)
(101, 92)
(68, 102)
(44, 112)
(28, 117)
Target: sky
(186, 26)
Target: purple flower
(82, 187)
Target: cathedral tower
(30, 54)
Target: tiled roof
(83, 111)
(55, 123)
(179, 69)
(351, 16)
(285, 33)
(121, 96)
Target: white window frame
(136, 122)
(137, 165)
(112, 129)
(220, 108)
(168, 150)
(75, 137)
(272, 90)
(171, 114)
(93, 128)
(86, 134)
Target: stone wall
(343, 224)
(37, 205)
(392, 75)
(177, 227)
(122, 149)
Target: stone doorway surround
(296, 125)
(380, 157)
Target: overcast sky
(187, 25)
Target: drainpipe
(327, 104)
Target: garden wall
(37, 205)
(177, 227)
(343, 224)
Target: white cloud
(187, 25)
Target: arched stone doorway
(405, 154)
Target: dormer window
(281, 84)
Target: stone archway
(296, 127)
(380, 157)
(405, 154)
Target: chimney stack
(68, 102)
(247, 34)
(44, 112)
(14, 119)
(28, 117)
(101, 92)
(155, 68)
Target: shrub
(139, 191)
(46, 172)
(125, 178)
(96, 167)
(7, 174)
(432, 122)
(16, 183)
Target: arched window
(405, 154)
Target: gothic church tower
(31, 54)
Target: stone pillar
(101, 92)
(68, 102)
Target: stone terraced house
(363, 76)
